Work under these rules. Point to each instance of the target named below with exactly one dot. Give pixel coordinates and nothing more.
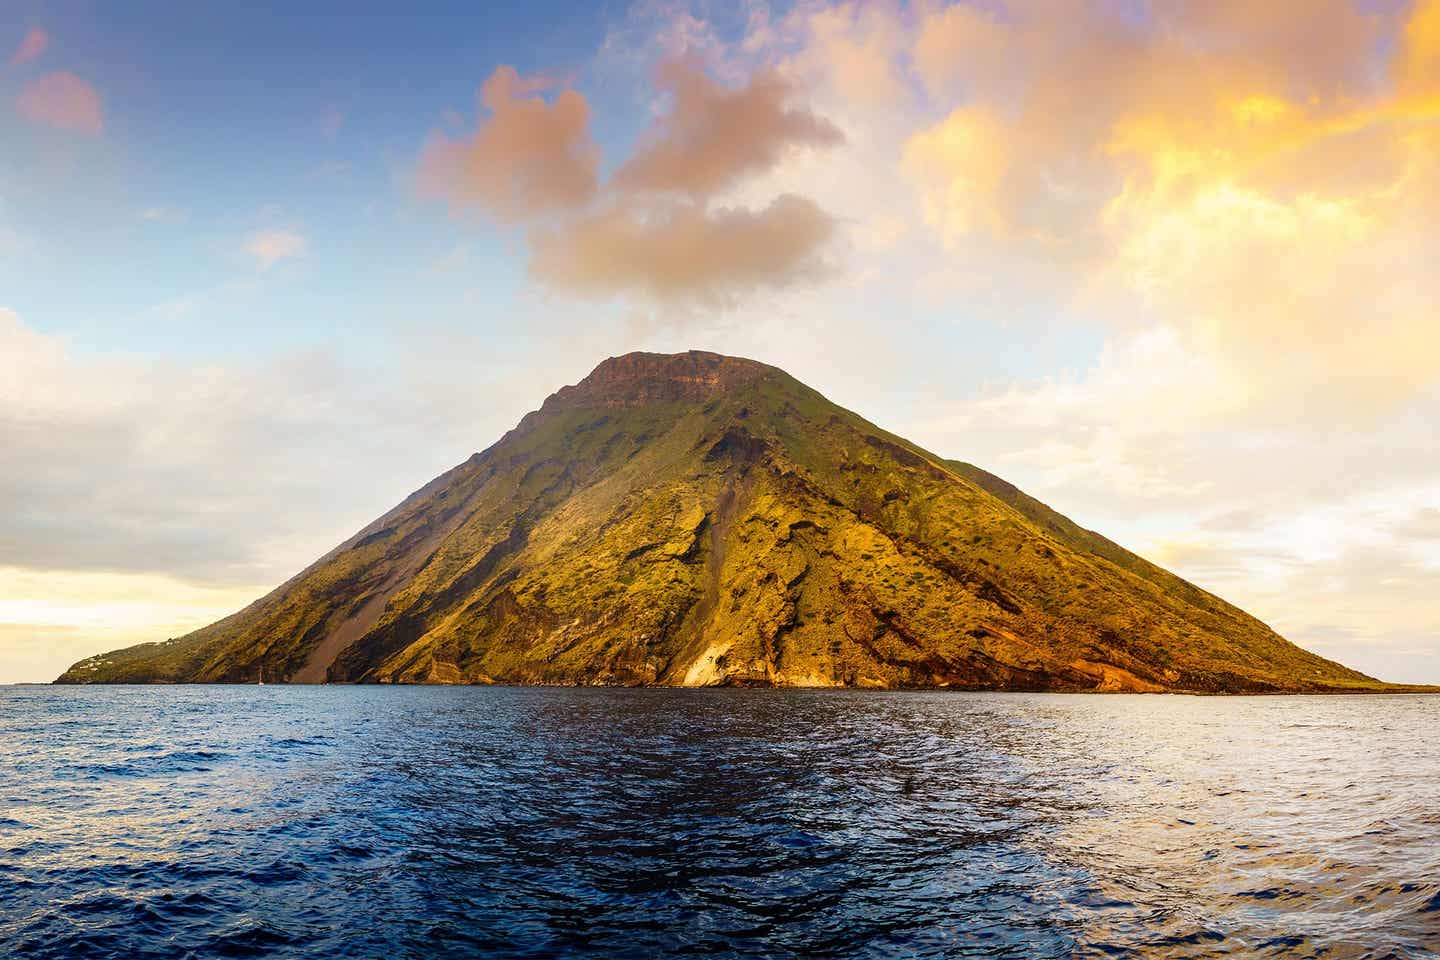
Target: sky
(266, 268)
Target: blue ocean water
(149, 822)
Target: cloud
(712, 137)
(1422, 524)
(269, 247)
(656, 31)
(1420, 66)
(962, 162)
(1318, 47)
(529, 158)
(962, 48)
(64, 101)
(861, 48)
(1246, 176)
(685, 252)
(49, 619)
(662, 230)
(125, 463)
(1368, 603)
(34, 44)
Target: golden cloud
(860, 47)
(713, 136)
(63, 101)
(962, 48)
(962, 161)
(529, 158)
(685, 251)
(1256, 177)
(655, 231)
(1420, 66)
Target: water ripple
(437, 822)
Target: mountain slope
(699, 519)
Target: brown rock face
(641, 378)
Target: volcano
(696, 519)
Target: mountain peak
(637, 378)
(645, 535)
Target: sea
(435, 822)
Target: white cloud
(124, 463)
(269, 247)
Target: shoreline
(1408, 689)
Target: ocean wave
(208, 822)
